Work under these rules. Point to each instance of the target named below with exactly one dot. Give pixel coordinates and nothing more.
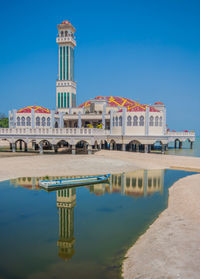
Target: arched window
(120, 121)
(161, 121)
(129, 120)
(43, 121)
(23, 121)
(151, 121)
(61, 33)
(113, 121)
(18, 121)
(48, 121)
(116, 120)
(28, 121)
(66, 33)
(141, 120)
(135, 121)
(37, 121)
(156, 121)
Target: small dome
(158, 103)
(66, 22)
(37, 109)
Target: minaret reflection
(66, 201)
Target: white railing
(181, 134)
(51, 131)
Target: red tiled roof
(121, 102)
(37, 109)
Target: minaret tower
(65, 85)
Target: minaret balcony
(60, 40)
(63, 83)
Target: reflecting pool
(78, 232)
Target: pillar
(123, 147)
(32, 118)
(103, 117)
(191, 144)
(73, 149)
(13, 147)
(123, 121)
(175, 144)
(55, 148)
(146, 121)
(89, 149)
(137, 148)
(146, 148)
(163, 149)
(79, 119)
(41, 148)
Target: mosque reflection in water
(141, 183)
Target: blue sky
(144, 50)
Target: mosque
(124, 123)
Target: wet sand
(170, 248)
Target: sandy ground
(170, 248)
(104, 161)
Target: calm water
(77, 233)
(186, 151)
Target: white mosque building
(112, 122)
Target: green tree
(4, 123)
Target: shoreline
(169, 248)
(101, 162)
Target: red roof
(36, 109)
(66, 22)
(158, 103)
(121, 102)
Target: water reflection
(66, 201)
(140, 183)
(137, 184)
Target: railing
(51, 131)
(180, 134)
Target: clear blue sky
(144, 50)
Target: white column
(111, 121)
(41, 148)
(9, 116)
(124, 122)
(103, 117)
(164, 121)
(14, 118)
(79, 120)
(32, 118)
(147, 121)
(52, 118)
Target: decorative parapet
(51, 131)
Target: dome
(66, 22)
(120, 102)
(158, 103)
(37, 109)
